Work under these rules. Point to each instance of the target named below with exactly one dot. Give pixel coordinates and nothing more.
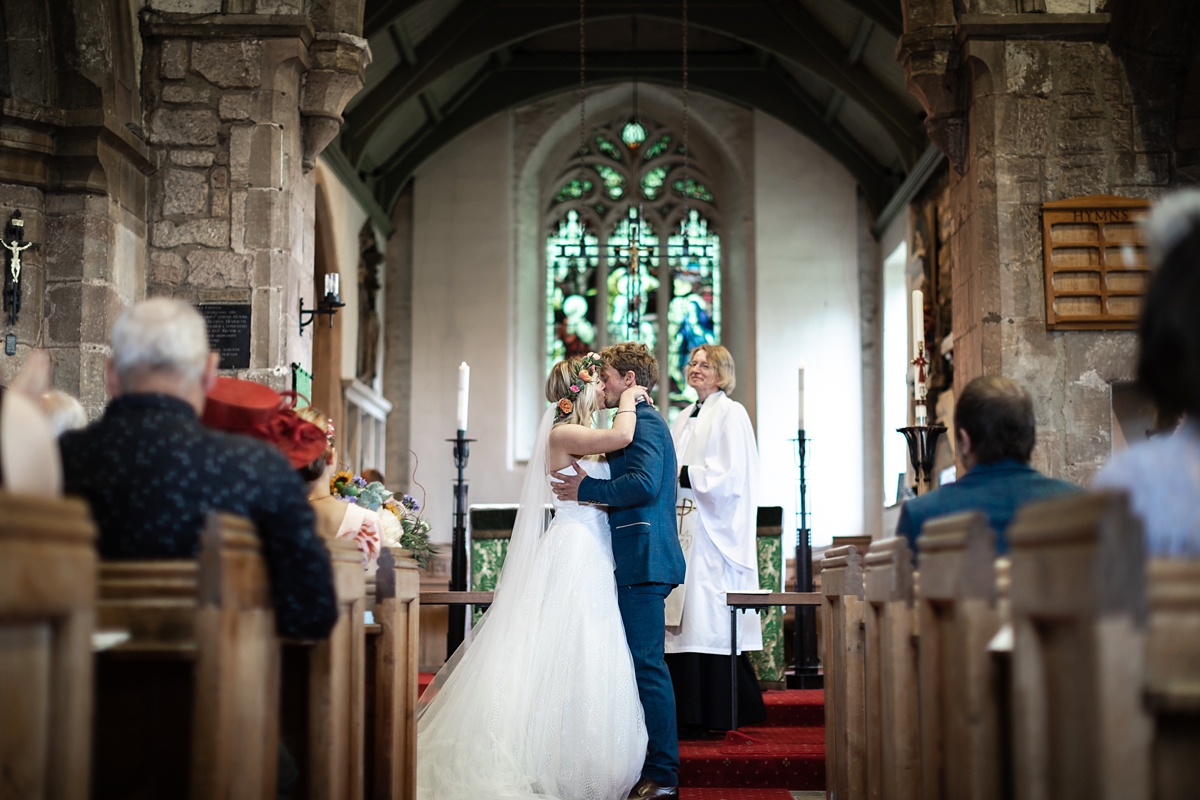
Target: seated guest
(994, 428)
(1162, 474)
(152, 472)
(62, 411)
(28, 458)
(373, 476)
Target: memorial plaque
(229, 333)
(1095, 262)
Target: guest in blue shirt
(995, 432)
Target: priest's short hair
(721, 360)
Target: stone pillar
(398, 340)
(238, 108)
(1046, 114)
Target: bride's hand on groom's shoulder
(640, 393)
(566, 487)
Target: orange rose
(584, 375)
(565, 405)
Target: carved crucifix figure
(12, 288)
(16, 248)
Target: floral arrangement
(400, 518)
(589, 369)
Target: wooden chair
(325, 690)
(1173, 674)
(47, 611)
(893, 732)
(189, 705)
(959, 616)
(393, 645)
(845, 647)
(1077, 590)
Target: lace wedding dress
(543, 703)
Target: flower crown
(589, 367)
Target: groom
(641, 501)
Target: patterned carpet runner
(761, 763)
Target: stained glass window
(572, 259)
(614, 181)
(633, 282)
(694, 315)
(607, 147)
(671, 306)
(573, 190)
(652, 182)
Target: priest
(717, 511)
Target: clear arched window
(627, 259)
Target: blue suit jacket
(997, 490)
(641, 500)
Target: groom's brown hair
(632, 357)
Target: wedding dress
(543, 703)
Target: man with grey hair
(152, 472)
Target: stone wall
(1030, 111)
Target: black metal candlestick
(806, 668)
(922, 446)
(457, 629)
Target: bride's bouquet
(400, 518)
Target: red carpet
(761, 763)
(734, 794)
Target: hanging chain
(582, 109)
(687, 150)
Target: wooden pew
(845, 713)
(393, 647)
(892, 727)
(1077, 592)
(324, 717)
(188, 706)
(958, 617)
(1173, 674)
(47, 611)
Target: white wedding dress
(543, 703)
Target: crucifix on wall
(14, 242)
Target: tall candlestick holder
(922, 446)
(457, 629)
(806, 672)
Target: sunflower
(339, 480)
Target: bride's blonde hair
(584, 403)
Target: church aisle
(752, 763)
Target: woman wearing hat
(306, 438)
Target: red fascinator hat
(251, 409)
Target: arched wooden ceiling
(825, 67)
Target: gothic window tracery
(617, 268)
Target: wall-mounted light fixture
(327, 306)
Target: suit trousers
(642, 611)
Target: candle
(918, 321)
(801, 427)
(464, 384)
(332, 281)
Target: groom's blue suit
(649, 562)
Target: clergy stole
(685, 500)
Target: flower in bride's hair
(565, 405)
(584, 375)
(575, 388)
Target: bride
(543, 703)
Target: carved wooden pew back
(47, 611)
(893, 732)
(197, 683)
(1077, 594)
(393, 651)
(845, 712)
(958, 617)
(1173, 674)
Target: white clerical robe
(719, 450)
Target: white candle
(801, 427)
(918, 321)
(464, 386)
(332, 281)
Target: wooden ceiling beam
(378, 14)
(784, 29)
(527, 78)
(887, 14)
